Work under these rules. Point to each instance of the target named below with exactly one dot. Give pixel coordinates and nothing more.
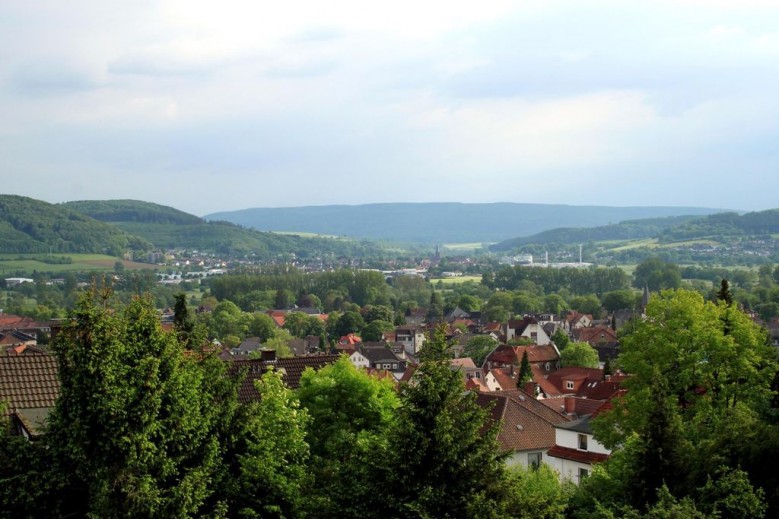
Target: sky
(213, 106)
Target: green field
(453, 281)
(29, 263)
(463, 246)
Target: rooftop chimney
(570, 405)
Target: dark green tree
(525, 374)
(443, 459)
(724, 294)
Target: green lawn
(453, 281)
(464, 246)
(28, 263)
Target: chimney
(530, 388)
(570, 405)
(268, 355)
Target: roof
(504, 380)
(513, 354)
(29, 381)
(567, 453)
(525, 423)
(291, 371)
(33, 419)
(463, 362)
(377, 353)
(581, 425)
(595, 334)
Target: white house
(576, 450)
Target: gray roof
(581, 425)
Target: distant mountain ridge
(443, 222)
(168, 228)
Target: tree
(377, 313)
(579, 354)
(525, 374)
(619, 300)
(349, 322)
(589, 304)
(351, 415)
(478, 347)
(296, 323)
(442, 455)
(700, 375)
(272, 460)
(132, 434)
(280, 344)
(261, 325)
(374, 331)
(656, 274)
(560, 339)
(536, 493)
(724, 292)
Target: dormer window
(569, 384)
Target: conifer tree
(443, 459)
(525, 374)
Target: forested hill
(442, 222)
(168, 228)
(627, 230)
(716, 226)
(33, 226)
(131, 211)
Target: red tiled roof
(567, 453)
(504, 380)
(29, 381)
(593, 334)
(526, 424)
(513, 354)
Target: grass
(457, 280)
(463, 246)
(311, 235)
(29, 263)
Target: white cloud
(307, 102)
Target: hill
(627, 230)
(724, 225)
(33, 226)
(441, 222)
(132, 211)
(168, 228)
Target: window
(569, 384)
(583, 442)
(533, 460)
(583, 473)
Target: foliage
(28, 225)
(536, 493)
(478, 347)
(375, 330)
(443, 459)
(619, 300)
(351, 416)
(272, 464)
(700, 376)
(360, 287)
(525, 373)
(656, 274)
(560, 339)
(579, 354)
(132, 431)
(576, 281)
